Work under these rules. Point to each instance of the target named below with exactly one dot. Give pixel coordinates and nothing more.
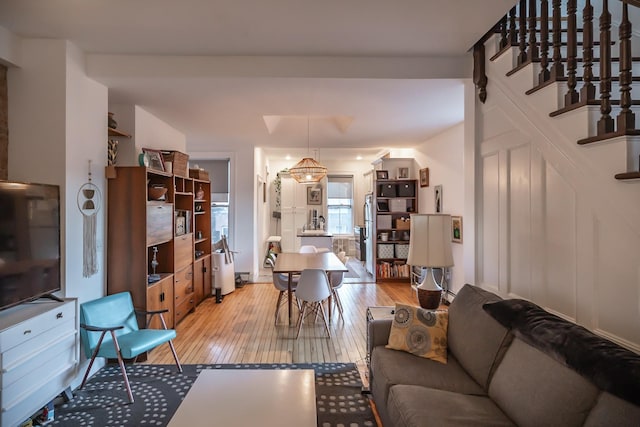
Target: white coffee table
(247, 397)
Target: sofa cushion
(475, 338)
(535, 390)
(612, 411)
(415, 406)
(420, 332)
(391, 367)
(608, 365)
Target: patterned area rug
(159, 389)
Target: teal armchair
(109, 328)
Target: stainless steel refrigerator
(369, 233)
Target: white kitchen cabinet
(39, 352)
(294, 214)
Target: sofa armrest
(378, 331)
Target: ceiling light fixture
(308, 170)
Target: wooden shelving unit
(394, 201)
(170, 230)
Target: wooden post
(606, 123)
(534, 54)
(544, 42)
(572, 96)
(522, 32)
(504, 41)
(557, 69)
(588, 91)
(626, 119)
(513, 34)
(479, 74)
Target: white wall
(57, 124)
(554, 226)
(444, 156)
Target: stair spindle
(544, 74)
(504, 41)
(557, 69)
(606, 123)
(626, 118)
(588, 91)
(513, 34)
(522, 32)
(572, 96)
(533, 54)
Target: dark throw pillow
(609, 366)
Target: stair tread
(607, 136)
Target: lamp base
(429, 299)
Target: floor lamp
(430, 247)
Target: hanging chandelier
(308, 170)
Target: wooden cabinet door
(198, 280)
(160, 297)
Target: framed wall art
(314, 196)
(456, 229)
(437, 195)
(424, 177)
(382, 174)
(403, 173)
(153, 159)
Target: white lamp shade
(430, 241)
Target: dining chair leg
(338, 301)
(302, 312)
(280, 295)
(324, 318)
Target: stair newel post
(544, 42)
(626, 118)
(572, 96)
(522, 32)
(534, 54)
(606, 123)
(479, 72)
(513, 34)
(557, 69)
(588, 91)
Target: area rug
(159, 389)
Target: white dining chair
(313, 288)
(281, 283)
(336, 280)
(308, 249)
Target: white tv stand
(38, 356)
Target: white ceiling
(213, 68)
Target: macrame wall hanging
(89, 202)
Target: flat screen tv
(29, 242)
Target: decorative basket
(199, 174)
(403, 224)
(385, 250)
(179, 160)
(429, 299)
(402, 251)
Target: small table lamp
(430, 246)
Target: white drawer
(20, 360)
(39, 387)
(24, 331)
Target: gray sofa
(509, 363)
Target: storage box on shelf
(179, 162)
(395, 200)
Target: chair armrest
(378, 333)
(152, 312)
(99, 328)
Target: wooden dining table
(292, 263)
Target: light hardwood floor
(241, 329)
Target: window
(340, 204)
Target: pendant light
(308, 170)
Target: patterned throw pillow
(420, 332)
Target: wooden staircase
(555, 45)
